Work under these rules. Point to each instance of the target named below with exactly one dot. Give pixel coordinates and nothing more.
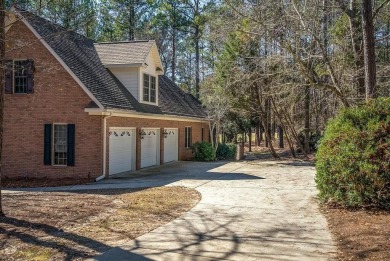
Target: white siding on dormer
(129, 77)
(151, 70)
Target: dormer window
(149, 94)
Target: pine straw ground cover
(360, 234)
(79, 225)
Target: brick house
(77, 108)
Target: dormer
(136, 65)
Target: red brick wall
(57, 98)
(184, 153)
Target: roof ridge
(122, 42)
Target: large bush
(226, 151)
(353, 159)
(203, 151)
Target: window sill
(149, 103)
(59, 166)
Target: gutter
(104, 174)
(134, 114)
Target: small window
(149, 88)
(202, 134)
(60, 144)
(188, 137)
(19, 76)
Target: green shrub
(226, 151)
(353, 159)
(203, 151)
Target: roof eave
(117, 65)
(135, 114)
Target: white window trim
(142, 88)
(52, 146)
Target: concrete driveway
(253, 210)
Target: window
(59, 144)
(19, 76)
(149, 88)
(202, 134)
(188, 137)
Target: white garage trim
(124, 128)
(171, 144)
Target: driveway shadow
(66, 245)
(197, 237)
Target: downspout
(104, 147)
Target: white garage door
(149, 147)
(171, 145)
(121, 150)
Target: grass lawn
(361, 234)
(79, 225)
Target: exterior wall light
(142, 133)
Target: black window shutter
(47, 144)
(71, 144)
(30, 76)
(186, 137)
(8, 67)
(190, 137)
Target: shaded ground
(42, 182)
(360, 235)
(77, 225)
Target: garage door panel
(149, 147)
(171, 152)
(121, 150)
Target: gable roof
(80, 55)
(132, 52)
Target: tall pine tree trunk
(197, 61)
(132, 20)
(174, 39)
(369, 49)
(197, 50)
(250, 139)
(2, 89)
(356, 38)
(257, 136)
(307, 120)
(173, 64)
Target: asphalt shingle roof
(133, 52)
(80, 54)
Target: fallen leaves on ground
(80, 224)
